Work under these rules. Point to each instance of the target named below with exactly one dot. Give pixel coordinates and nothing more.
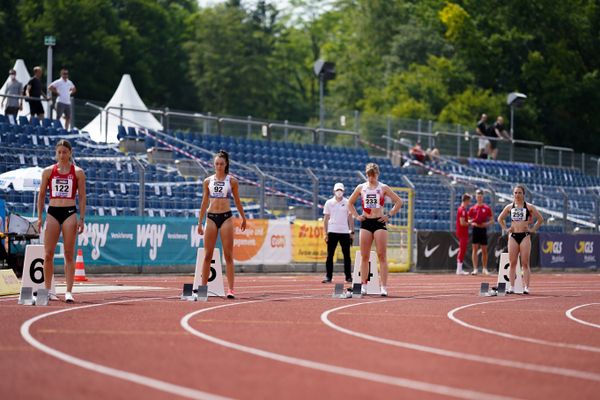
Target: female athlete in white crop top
(372, 222)
(218, 189)
(519, 240)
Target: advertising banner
(587, 250)
(127, 241)
(263, 242)
(308, 241)
(561, 250)
(439, 250)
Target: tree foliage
(448, 61)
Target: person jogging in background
(462, 233)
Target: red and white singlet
(62, 186)
(371, 198)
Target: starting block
(42, 297)
(188, 292)
(26, 296)
(501, 289)
(201, 293)
(356, 290)
(338, 291)
(484, 289)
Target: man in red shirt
(462, 232)
(480, 217)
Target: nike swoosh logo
(452, 252)
(429, 252)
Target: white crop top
(219, 189)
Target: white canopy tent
(124, 108)
(23, 77)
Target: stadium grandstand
(287, 170)
(159, 162)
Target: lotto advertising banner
(263, 242)
(439, 250)
(131, 241)
(561, 250)
(309, 241)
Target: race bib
(371, 200)
(62, 188)
(219, 189)
(517, 214)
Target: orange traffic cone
(79, 268)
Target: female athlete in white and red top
(218, 189)
(63, 180)
(372, 222)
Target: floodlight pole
(512, 122)
(49, 41)
(321, 106)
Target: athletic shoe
(509, 290)
(52, 296)
(326, 280)
(462, 273)
(230, 294)
(69, 297)
(474, 272)
(383, 291)
(525, 290)
(348, 280)
(363, 290)
(486, 272)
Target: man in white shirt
(339, 227)
(64, 88)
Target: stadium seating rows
(114, 181)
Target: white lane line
(102, 369)
(452, 316)
(331, 368)
(569, 314)
(454, 354)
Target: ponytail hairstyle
(225, 156)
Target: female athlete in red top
(64, 180)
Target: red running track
(286, 337)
